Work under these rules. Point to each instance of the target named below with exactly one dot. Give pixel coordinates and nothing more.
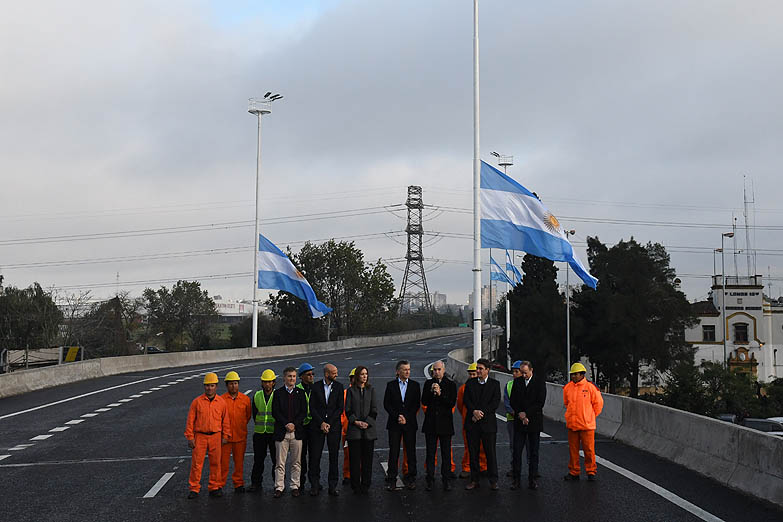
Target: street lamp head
(495, 154)
(728, 234)
(267, 94)
(572, 232)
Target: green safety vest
(265, 423)
(509, 385)
(308, 417)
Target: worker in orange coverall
(239, 414)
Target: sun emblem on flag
(551, 222)
(299, 274)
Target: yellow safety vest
(265, 423)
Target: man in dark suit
(439, 396)
(481, 399)
(528, 396)
(326, 407)
(401, 401)
(289, 409)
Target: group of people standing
(294, 423)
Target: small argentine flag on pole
(512, 217)
(510, 267)
(277, 272)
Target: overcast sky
(132, 117)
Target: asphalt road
(93, 450)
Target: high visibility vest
(308, 417)
(265, 423)
(509, 385)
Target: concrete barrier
(738, 457)
(24, 381)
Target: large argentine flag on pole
(513, 218)
(277, 272)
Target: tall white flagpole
(476, 198)
(508, 316)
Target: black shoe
(254, 487)
(239, 489)
(346, 481)
(428, 487)
(574, 478)
(411, 485)
(472, 485)
(464, 474)
(447, 485)
(532, 485)
(493, 486)
(192, 495)
(216, 492)
(509, 473)
(392, 486)
(515, 485)
(333, 492)
(278, 493)
(314, 492)
(295, 492)
(591, 477)
(451, 475)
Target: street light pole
(258, 107)
(723, 291)
(505, 162)
(568, 313)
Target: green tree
(537, 316)
(107, 328)
(183, 310)
(636, 316)
(29, 317)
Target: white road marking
(421, 344)
(75, 397)
(385, 466)
(376, 364)
(501, 417)
(658, 490)
(113, 405)
(3, 457)
(160, 386)
(135, 396)
(348, 358)
(180, 380)
(125, 400)
(59, 429)
(248, 392)
(545, 435)
(447, 344)
(172, 382)
(19, 447)
(103, 409)
(146, 391)
(41, 437)
(88, 415)
(158, 485)
(75, 421)
(427, 370)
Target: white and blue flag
(513, 269)
(496, 273)
(277, 272)
(513, 217)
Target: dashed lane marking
(162, 386)
(75, 421)
(545, 435)
(658, 490)
(113, 405)
(501, 417)
(92, 461)
(101, 410)
(248, 392)
(385, 466)
(146, 391)
(172, 382)
(125, 400)
(158, 485)
(3, 457)
(136, 396)
(59, 429)
(376, 364)
(41, 437)
(88, 415)
(19, 447)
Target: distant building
(754, 328)
(438, 301)
(485, 300)
(233, 311)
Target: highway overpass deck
(113, 449)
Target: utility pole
(505, 162)
(414, 289)
(476, 198)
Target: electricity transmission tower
(414, 294)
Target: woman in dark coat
(361, 411)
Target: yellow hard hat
(353, 372)
(268, 375)
(578, 367)
(232, 376)
(211, 378)
(472, 367)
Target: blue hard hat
(516, 365)
(305, 367)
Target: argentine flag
(277, 272)
(513, 218)
(513, 269)
(496, 273)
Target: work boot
(570, 477)
(333, 492)
(515, 485)
(451, 475)
(493, 486)
(278, 493)
(239, 489)
(428, 487)
(295, 492)
(447, 485)
(591, 477)
(314, 491)
(346, 481)
(216, 492)
(192, 495)
(532, 484)
(464, 474)
(472, 485)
